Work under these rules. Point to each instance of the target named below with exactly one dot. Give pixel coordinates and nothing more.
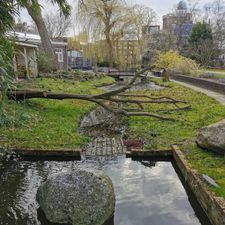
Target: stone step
(105, 146)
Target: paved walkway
(219, 97)
(105, 147)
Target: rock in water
(213, 137)
(81, 197)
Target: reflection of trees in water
(13, 184)
(100, 161)
(149, 164)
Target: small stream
(138, 86)
(147, 193)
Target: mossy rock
(81, 197)
(212, 137)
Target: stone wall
(199, 82)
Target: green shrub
(6, 61)
(45, 62)
(77, 72)
(14, 120)
(173, 61)
(187, 66)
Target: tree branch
(108, 100)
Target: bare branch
(126, 87)
(148, 114)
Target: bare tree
(204, 51)
(214, 14)
(104, 20)
(57, 25)
(24, 27)
(141, 17)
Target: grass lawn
(48, 124)
(208, 163)
(205, 111)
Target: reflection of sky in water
(145, 196)
(154, 195)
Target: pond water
(147, 192)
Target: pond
(147, 192)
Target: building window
(59, 53)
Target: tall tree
(57, 25)
(21, 26)
(34, 9)
(104, 19)
(201, 45)
(141, 17)
(214, 13)
(7, 12)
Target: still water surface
(147, 193)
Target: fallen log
(107, 100)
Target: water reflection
(147, 193)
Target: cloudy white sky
(161, 7)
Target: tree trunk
(43, 32)
(109, 49)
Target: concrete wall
(199, 82)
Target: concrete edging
(213, 206)
(66, 153)
(149, 153)
(200, 82)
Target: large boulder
(81, 197)
(101, 122)
(212, 137)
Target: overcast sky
(161, 7)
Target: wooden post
(26, 63)
(15, 67)
(35, 63)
